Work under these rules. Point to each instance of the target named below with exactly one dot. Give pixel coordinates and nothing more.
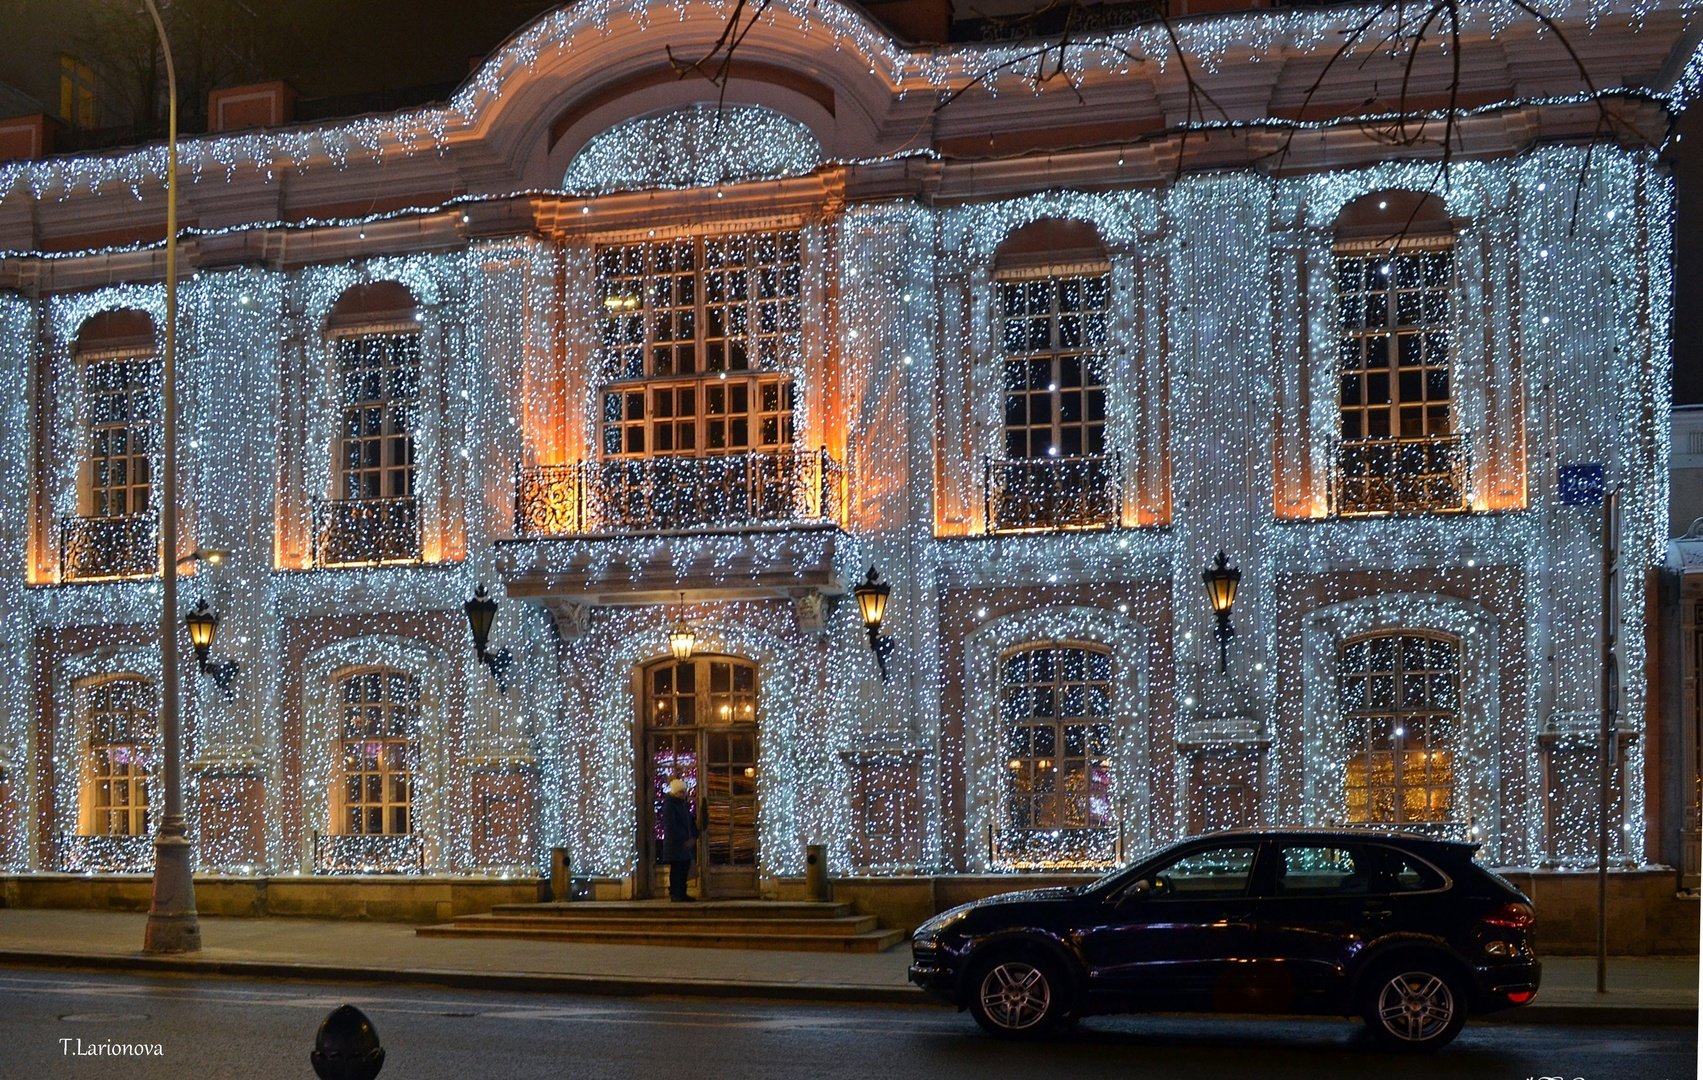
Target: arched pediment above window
(696, 146)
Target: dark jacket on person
(679, 830)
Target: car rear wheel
(1414, 1006)
(1017, 997)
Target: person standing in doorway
(679, 839)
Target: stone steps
(716, 924)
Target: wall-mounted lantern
(203, 624)
(1221, 580)
(682, 638)
(872, 605)
(481, 613)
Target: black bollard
(347, 1046)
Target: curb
(536, 982)
(637, 986)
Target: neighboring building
(636, 353)
(1680, 638)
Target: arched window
(378, 753)
(1400, 701)
(115, 532)
(697, 419)
(122, 755)
(1051, 279)
(1055, 707)
(1400, 450)
(373, 515)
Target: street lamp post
(172, 923)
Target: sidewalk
(1642, 990)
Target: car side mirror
(1135, 894)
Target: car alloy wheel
(1417, 1008)
(1016, 996)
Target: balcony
(103, 854)
(109, 548)
(1051, 494)
(670, 494)
(366, 532)
(1401, 476)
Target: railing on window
(361, 853)
(1401, 476)
(660, 494)
(1097, 847)
(103, 548)
(74, 853)
(362, 532)
(1046, 494)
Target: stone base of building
(1647, 915)
(381, 899)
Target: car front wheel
(1017, 997)
(1414, 1007)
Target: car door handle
(1377, 913)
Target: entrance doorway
(700, 724)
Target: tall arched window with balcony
(1400, 448)
(701, 336)
(1056, 713)
(115, 532)
(120, 757)
(1400, 702)
(378, 763)
(1052, 470)
(372, 514)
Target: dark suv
(1406, 931)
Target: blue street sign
(1583, 484)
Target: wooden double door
(700, 725)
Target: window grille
(1400, 701)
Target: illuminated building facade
(639, 355)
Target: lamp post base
(173, 926)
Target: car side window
(1321, 870)
(1398, 872)
(1204, 875)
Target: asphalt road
(261, 1030)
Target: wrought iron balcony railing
(1048, 494)
(107, 548)
(665, 493)
(337, 853)
(80, 854)
(1401, 476)
(365, 532)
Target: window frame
(110, 726)
(1018, 734)
(137, 393)
(396, 416)
(1089, 355)
(1399, 719)
(389, 724)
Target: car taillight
(1520, 997)
(1518, 916)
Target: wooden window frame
(1411, 720)
(121, 400)
(1026, 763)
(1022, 364)
(377, 746)
(377, 414)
